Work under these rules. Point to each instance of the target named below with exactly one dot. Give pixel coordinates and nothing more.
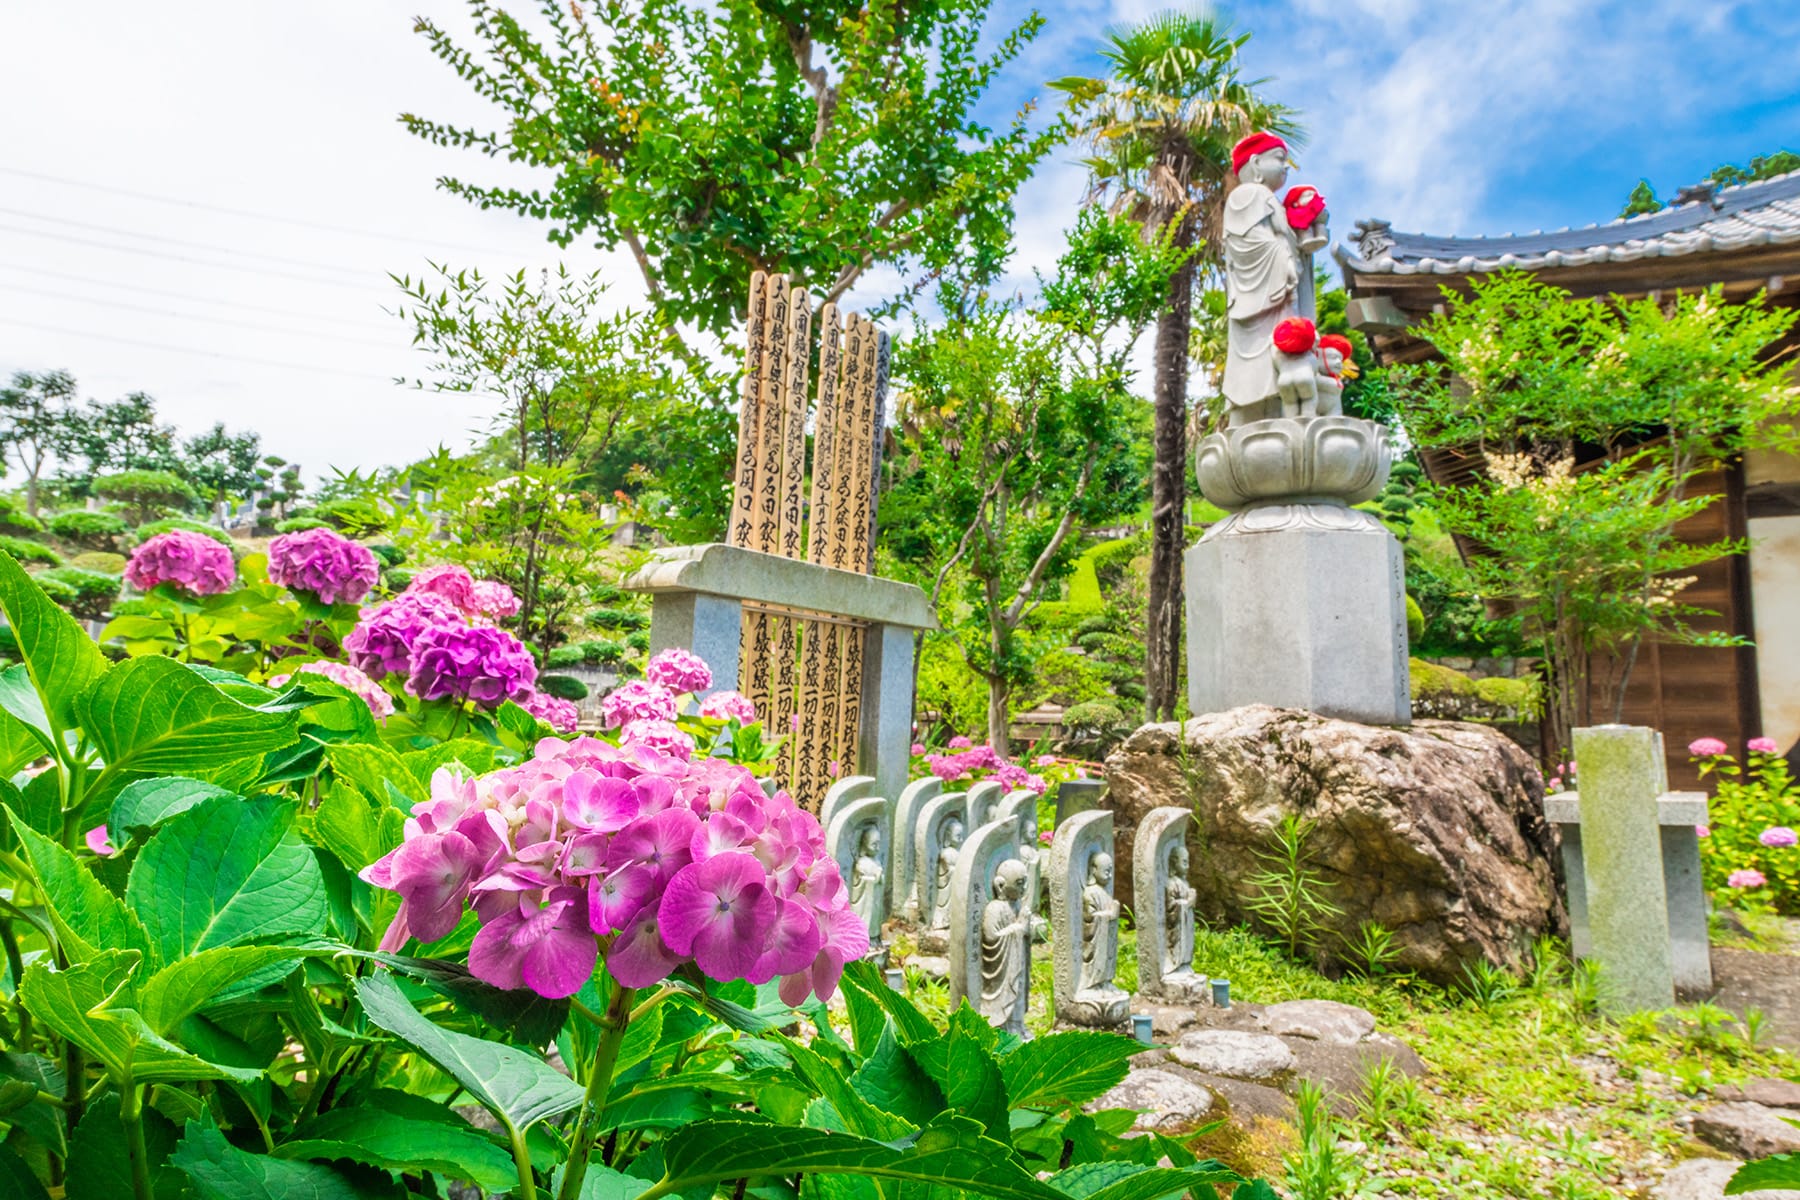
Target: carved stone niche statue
(990, 933)
(938, 833)
(1085, 915)
(851, 787)
(1165, 908)
(857, 839)
(903, 895)
(1021, 805)
(984, 802)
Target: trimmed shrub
(389, 554)
(639, 641)
(146, 532)
(91, 593)
(14, 518)
(28, 551)
(1432, 682)
(100, 530)
(296, 524)
(617, 618)
(563, 687)
(58, 591)
(584, 654)
(1523, 697)
(103, 561)
(145, 494)
(1099, 715)
(1415, 621)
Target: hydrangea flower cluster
(191, 561)
(679, 671)
(379, 702)
(973, 758)
(324, 563)
(655, 860)
(493, 599)
(638, 700)
(729, 706)
(448, 580)
(1761, 745)
(1706, 747)
(471, 662)
(382, 642)
(1778, 837)
(561, 715)
(1748, 877)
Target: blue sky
(120, 120)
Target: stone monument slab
(990, 934)
(1165, 908)
(1084, 916)
(903, 900)
(857, 839)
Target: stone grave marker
(857, 839)
(938, 837)
(1165, 907)
(851, 787)
(990, 932)
(984, 800)
(1085, 918)
(903, 895)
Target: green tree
(1592, 420)
(145, 495)
(34, 423)
(1015, 429)
(1762, 166)
(220, 464)
(718, 140)
(122, 435)
(1161, 127)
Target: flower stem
(131, 1116)
(613, 1024)
(522, 1159)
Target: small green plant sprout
(1549, 965)
(1317, 1169)
(1756, 1027)
(1585, 987)
(1391, 1100)
(1372, 951)
(1487, 984)
(1290, 895)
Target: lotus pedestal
(1297, 599)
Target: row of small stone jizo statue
(965, 869)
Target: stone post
(884, 735)
(1627, 905)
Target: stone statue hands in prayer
(1006, 951)
(1178, 918)
(949, 845)
(868, 878)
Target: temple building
(1745, 239)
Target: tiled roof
(1765, 213)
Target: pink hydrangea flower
(1035, 783)
(448, 580)
(1011, 775)
(1703, 831)
(982, 758)
(561, 715)
(474, 662)
(100, 841)
(1778, 837)
(1044, 760)
(1706, 747)
(1749, 877)
(666, 860)
(325, 563)
(1046, 837)
(638, 700)
(664, 737)
(1554, 783)
(1761, 745)
(947, 767)
(345, 675)
(959, 742)
(382, 642)
(729, 706)
(679, 671)
(493, 599)
(918, 749)
(191, 561)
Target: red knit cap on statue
(1253, 145)
(1340, 343)
(1295, 335)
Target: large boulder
(1435, 831)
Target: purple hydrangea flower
(561, 715)
(190, 561)
(382, 643)
(638, 700)
(1749, 877)
(325, 563)
(477, 662)
(1778, 837)
(679, 671)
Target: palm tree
(1160, 128)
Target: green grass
(1529, 1094)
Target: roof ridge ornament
(1373, 237)
(1705, 192)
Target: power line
(243, 358)
(210, 247)
(181, 316)
(250, 214)
(189, 296)
(63, 237)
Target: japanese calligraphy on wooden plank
(799, 665)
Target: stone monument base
(1299, 605)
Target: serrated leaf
(189, 984)
(1066, 1069)
(477, 758)
(144, 804)
(1774, 1172)
(349, 826)
(1133, 1181)
(913, 1025)
(370, 767)
(17, 1182)
(515, 1086)
(523, 1013)
(38, 1119)
(87, 918)
(57, 653)
(154, 716)
(24, 726)
(220, 1171)
(962, 1063)
(892, 1080)
(225, 872)
(38, 804)
(951, 1152)
(859, 1116)
(394, 1131)
(98, 1166)
(79, 1003)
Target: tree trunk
(996, 716)
(1168, 490)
